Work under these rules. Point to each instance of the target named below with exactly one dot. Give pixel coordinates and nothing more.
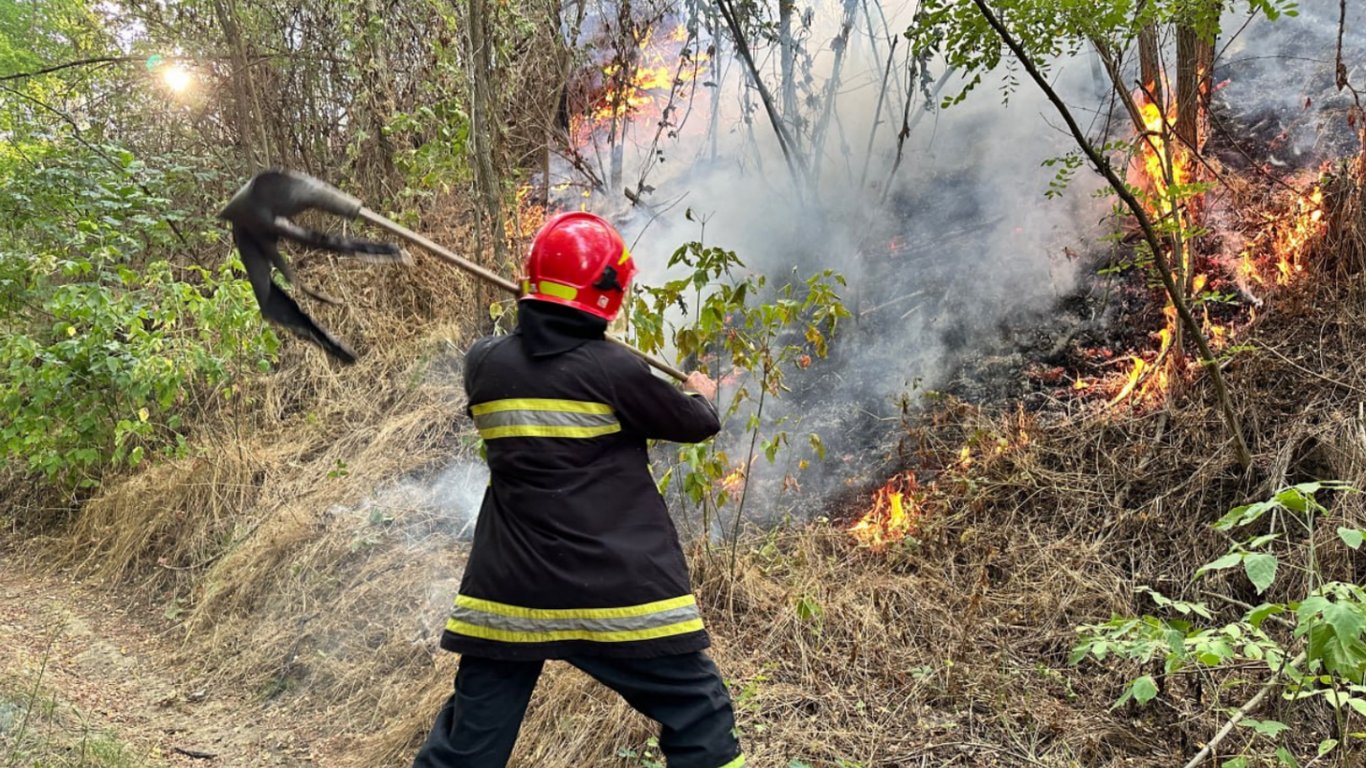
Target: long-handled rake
(260, 215)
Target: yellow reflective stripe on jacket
(622, 636)
(491, 620)
(517, 611)
(544, 417)
(539, 404)
(532, 430)
(736, 763)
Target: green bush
(107, 329)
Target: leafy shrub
(105, 336)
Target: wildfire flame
(1290, 243)
(894, 514)
(1155, 155)
(734, 481)
(1161, 169)
(645, 86)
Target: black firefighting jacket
(574, 552)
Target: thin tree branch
(97, 60)
(1164, 270)
(1341, 68)
(785, 140)
(877, 113)
(99, 151)
(1240, 714)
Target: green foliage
(1051, 29)
(33, 34)
(1328, 624)
(648, 756)
(105, 342)
(736, 323)
(438, 161)
(37, 730)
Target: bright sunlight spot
(177, 78)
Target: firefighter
(574, 555)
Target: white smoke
(429, 510)
(938, 254)
(1277, 83)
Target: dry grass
(300, 576)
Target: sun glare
(177, 78)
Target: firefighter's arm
(474, 359)
(656, 408)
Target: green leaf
(1240, 516)
(1284, 757)
(1261, 570)
(1261, 613)
(1326, 746)
(809, 609)
(1144, 689)
(1296, 498)
(818, 446)
(1223, 563)
(1270, 728)
(1237, 762)
(1351, 537)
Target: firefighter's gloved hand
(700, 383)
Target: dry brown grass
(950, 650)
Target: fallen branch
(1242, 712)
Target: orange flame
(894, 515)
(1292, 243)
(1289, 243)
(734, 482)
(1148, 382)
(1155, 154)
(647, 86)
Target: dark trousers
(478, 725)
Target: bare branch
(96, 61)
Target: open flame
(895, 513)
(646, 84)
(1282, 257)
(1156, 156)
(1292, 242)
(1162, 168)
(734, 481)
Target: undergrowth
(39, 730)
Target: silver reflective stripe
(624, 624)
(543, 418)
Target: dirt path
(108, 658)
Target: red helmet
(579, 260)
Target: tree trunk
(840, 44)
(248, 125)
(787, 48)
(375, 163)
(1195, 79)
(1150, 63)
(484, 125)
